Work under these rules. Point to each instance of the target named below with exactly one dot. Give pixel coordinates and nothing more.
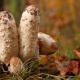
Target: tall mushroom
(8, 37)
(28, 31)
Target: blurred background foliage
(59, 18)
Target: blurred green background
(59, 18)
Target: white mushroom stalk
(28, 31)
(8, 37)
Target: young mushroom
(28, 31)
(15, 66)
(8, 37)
(47, 45)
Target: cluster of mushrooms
(25, 42)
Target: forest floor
(48, 68)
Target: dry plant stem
(53, 76)
(28, 31)
(8, 37)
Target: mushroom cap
(47, 45)
(6, 17)
(28, 31)
(31, 13)
(8, 37)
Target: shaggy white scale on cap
(47, 45)
(28, 31)
(8, 37)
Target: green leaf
(70, 53)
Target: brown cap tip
(32, 2)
